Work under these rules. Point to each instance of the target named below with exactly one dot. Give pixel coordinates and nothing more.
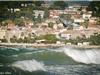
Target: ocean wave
(89, 56)
(9, 48)
(29, 65)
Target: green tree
(61, 4)
(86, 23)
(98, 21)
(50, 38)
(95, 39)
(19, 22)
(4, 39)
(50, 24)
(66, 17)
(38, 3)
(13, 39)
(20, 40)
(39, 19)
(46, 14)
(95, 7)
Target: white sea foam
(29, 65)
(16, 49)
(84, 56)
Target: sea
(49, 61)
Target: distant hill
(84, 3)
(72, 2)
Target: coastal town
(71, 25)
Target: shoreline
(27, 45)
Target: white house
(15, 10)
(86, 16)
(66, 36)
(60, 25)
(78, 20)
(55, 26)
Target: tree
(7, 8)
(6, 22)
(86, 23)
(39, 18)
(98, 21)
(3, 11)
(65, 16)
(50, 24)
(95, 39)
(38, 3)
(13, 39)
(50, 38)
(95, 7)
(46, 14)
(4, 39)
(61, 4)
(19, 22)
(20, 40)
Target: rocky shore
(35, 45)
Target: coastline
(35, 45)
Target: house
(45, 5)
(55, 26)
(76, 26)
(10, 25)
(72, 9)
(54, 14)
(40, 41)
(78, 20)
(50, 20)
(16, 10)
(84, 9)
(65, 36)
(38, 12)
(29, 25)
(85, 43)
(60, 26)
(43, 25)
(86, 16)
(2, 33)
(93, 20)
(79, 44)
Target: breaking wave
(89, 56)
(29, 65)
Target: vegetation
(26, 7)
(95, 7)
(86, 23)
(50, 24)
(95, 39)
(98, 21)
(60, 4)
(4, 39)
(19, 22)
(13, 39)
(77, 40)
(28, 39)
(50, 38)
(65, 16)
